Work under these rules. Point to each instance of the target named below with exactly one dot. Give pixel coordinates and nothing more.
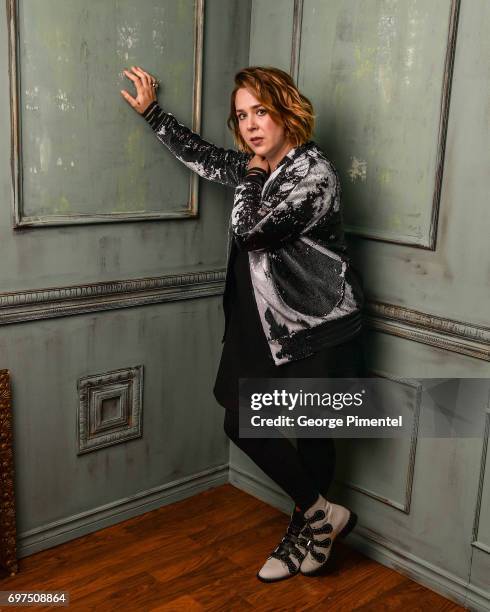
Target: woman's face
(263, 135)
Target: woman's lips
(256, 141)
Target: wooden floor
(203, 554)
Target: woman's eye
(261, 110)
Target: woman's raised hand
(146, 87)
(260, 162)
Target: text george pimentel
(337, 401)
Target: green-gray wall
(401, 96)
(89, 326)
(379, 76)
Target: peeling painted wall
(87, 150)
(375, 71)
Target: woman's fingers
(150, 79)
(144, 89)
(144, 76)
(136, 80)
(129, 98)
(138, 72)
(131, 76)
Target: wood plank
(203, 553)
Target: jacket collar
(288, 159)
(293, 154)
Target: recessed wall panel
(84, 153)
(377, 74)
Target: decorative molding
(37, 304)
(405, 506)
(476, 542)
(430, 243)
(437, 578)
(22, 221)
(448, 334)
(21, 306)
(71, 527)
(443, 121)
(270, 493)
(296, 39)
(95, 430)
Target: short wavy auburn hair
(276, 91)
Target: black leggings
(302, 473)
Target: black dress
(246, 353)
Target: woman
(292, 299)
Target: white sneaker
(324, 522)
(284, 562)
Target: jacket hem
(307, 342)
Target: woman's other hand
(258, 161)
(145, 90)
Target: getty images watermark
(363, 407)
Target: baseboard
(78, 525)
(249, 483)
(448, 585)
(431, 576)
(363, 540)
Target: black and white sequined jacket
(307, 292)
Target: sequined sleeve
(225, 166)
(297, 204)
